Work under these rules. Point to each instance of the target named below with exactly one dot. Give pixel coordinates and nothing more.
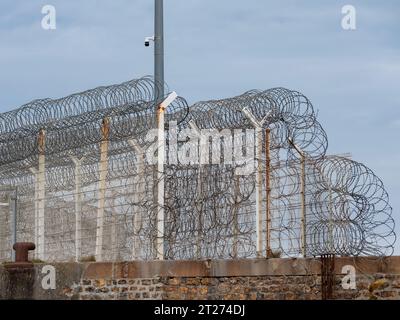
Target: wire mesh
(87, 190)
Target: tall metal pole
(268, 190)
(159, 50)
(14, 199)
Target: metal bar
(41, 195)
(36, 219)
(14, 209)
(268, 191)
(259, 191)
(105, 130)
(303, 206)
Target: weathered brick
(89, 289)
(146, 295)
(174, 281)
(193, 281)
(99, 283)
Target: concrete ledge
(233, 268)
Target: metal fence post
(268, 191)
(259, 146)
(41, 177)
(14, 208)
(103, 168)
(160, 174)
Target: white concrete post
(160, 174)
(78, 207)
(259, 145)
(103, 168)
(40, 193)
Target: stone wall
(270, 279)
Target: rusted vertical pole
(259, 191)
(105, 132)
(268, 191)
(36, 215)
(41, 193)
(303, 205)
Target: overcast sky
(217, 49)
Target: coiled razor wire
(209, 208)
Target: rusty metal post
(14, 210)
(22, 251)
(105, 132)
(268, 191)
(34, 171)
(303, 205)
(327, 276)
(41, 179)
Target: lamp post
(158, 39)
(159, 49)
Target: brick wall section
(118, 289)
(378, 286)
(288, 279)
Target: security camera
(147, 41)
